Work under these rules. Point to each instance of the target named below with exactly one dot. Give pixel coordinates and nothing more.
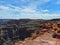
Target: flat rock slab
(45, 39)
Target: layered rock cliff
(48, 33)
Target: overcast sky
(31, 9)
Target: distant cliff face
(15, 30)
(3, 21)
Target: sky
(29, 9)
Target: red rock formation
(44, 35)
(45, 39)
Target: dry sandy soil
(45, 39)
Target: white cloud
(45, 11)
(23, 10)
(41, 16)
(31, 8)
(4, 7)
(26, 12)
(8, 12)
